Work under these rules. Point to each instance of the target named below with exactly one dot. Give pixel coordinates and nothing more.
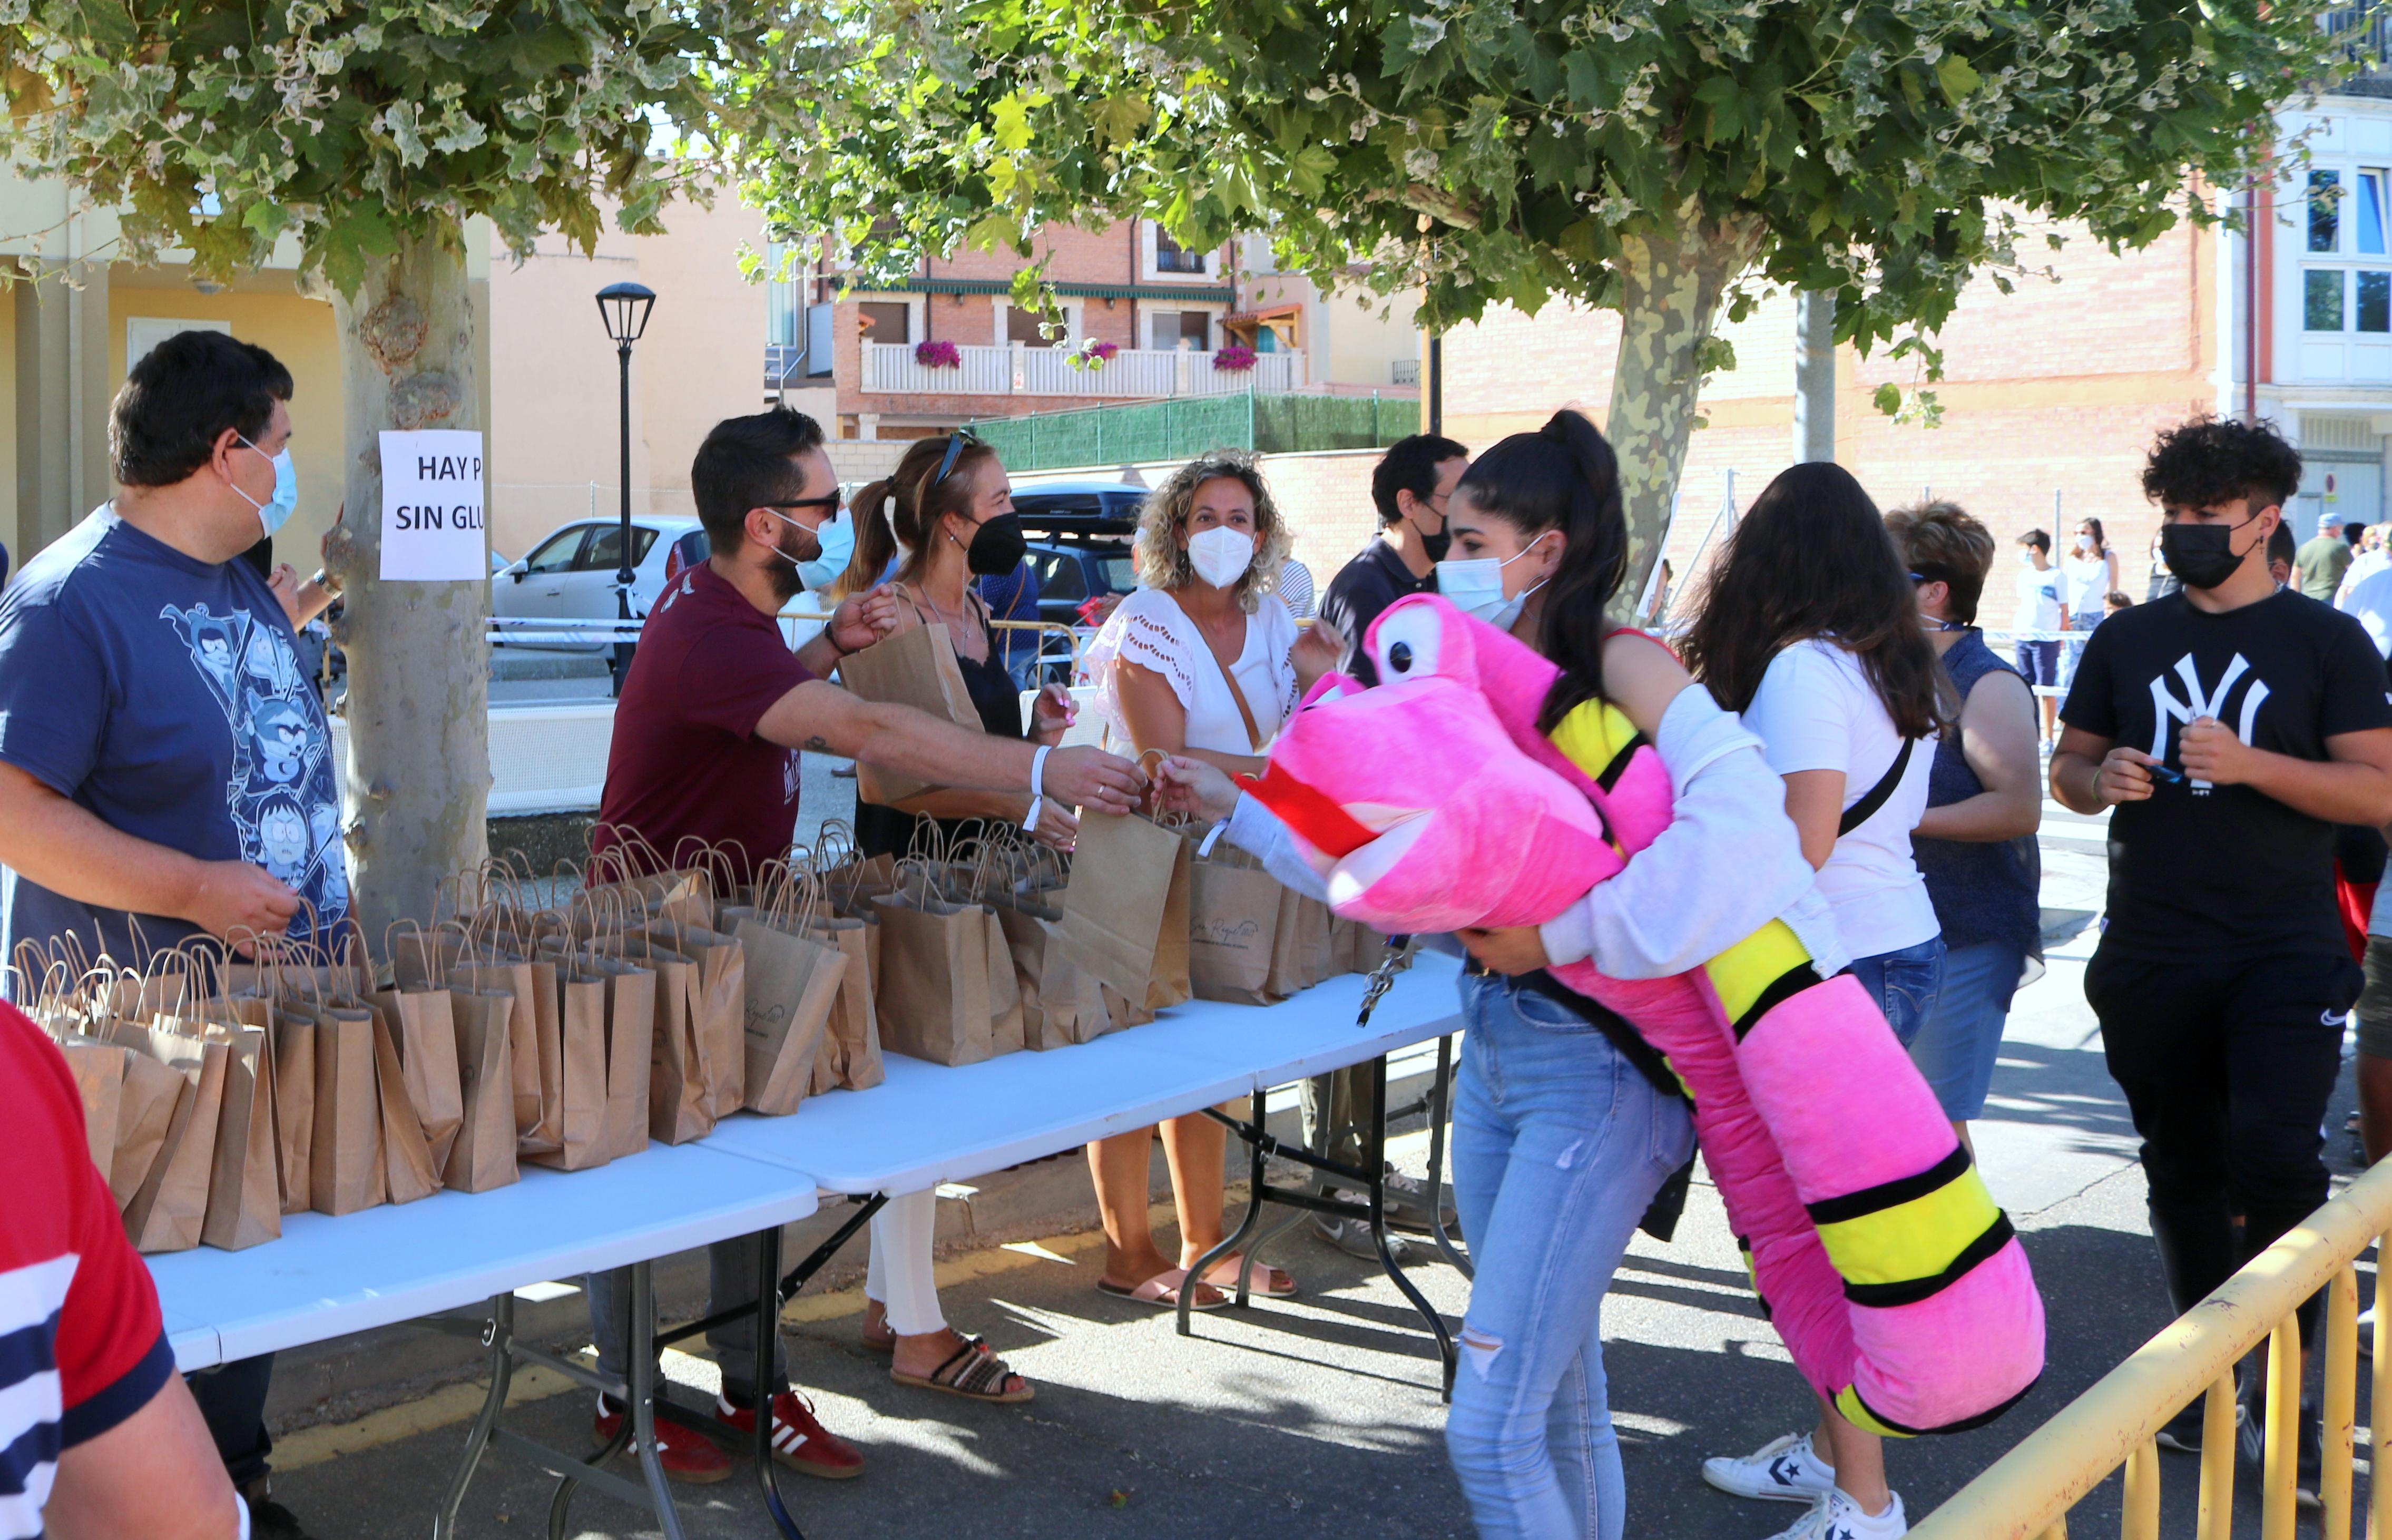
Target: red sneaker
(686, 1454)
(798, 1442)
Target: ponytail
(899, 510)
(1563, 477)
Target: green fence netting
(1189, 425)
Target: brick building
(852, 357)
(2052, 392)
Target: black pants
(2227, 1066)
(232, 1400)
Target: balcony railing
(1130, 374)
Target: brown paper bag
(1007, 1026)
(294, 1108)
(1123, 880)
(423, 1029)
(630, 1017)
(1312, 940)
(915, 667)
(793, 983)
(146, 1109)
(718, 1011)
(1062, 1002)
(933, 985)
(408, 1169)
(99, 1077)
(850, 1055)
(344, 1157)
(244, 1185)
(166, 1215)
(533, 1046)
(578, 1109)
(1232, 920)
(1287, 967)
(483, 1155)
(1167, 984)
(677, 1104)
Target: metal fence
(1262, 421)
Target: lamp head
(624, 307)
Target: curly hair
(1163, 562)
(2211, 459)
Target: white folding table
(327, 1278)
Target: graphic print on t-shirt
(280, 796)
(2168, 713)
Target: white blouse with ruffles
(1151, 630)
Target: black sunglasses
(837, 500)
(955, 442)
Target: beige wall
(266, 310)
(554, 375)
(8, 532)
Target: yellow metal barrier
(2027, 1494)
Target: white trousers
(898, 1275)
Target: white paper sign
(431, 507)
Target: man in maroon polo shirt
(707, 734)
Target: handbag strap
(1229, 678)
(1865, 808)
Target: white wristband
(1037, 785)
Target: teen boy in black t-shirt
(2231, 725)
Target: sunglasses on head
(955, 442)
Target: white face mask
(1476, 586)
(2085, 542)
(1220, 554)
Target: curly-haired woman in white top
(1195, 662)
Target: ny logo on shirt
(2165, 707)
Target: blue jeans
(1559, 1145)
(2075, 648)
(1963, 1034)
(1905, 984)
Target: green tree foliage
(370, 131)
(1659, 157)
(353, 125)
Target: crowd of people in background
(1863, 748)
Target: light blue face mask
(275, 512)
(837, 537)
(1476, 586)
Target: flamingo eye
(1405, 643)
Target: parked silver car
(569, 577)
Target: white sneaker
(1782, 1470)
(1837, 1517)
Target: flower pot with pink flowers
(938, 355)
(1234, 358)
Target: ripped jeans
(1559, 1145)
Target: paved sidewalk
(1320, 1417)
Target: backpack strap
(1865, 808)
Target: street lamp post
(624, 307)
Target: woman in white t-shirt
(1810, 629)
(2089, 576)
(1195, 663)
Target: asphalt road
(1320, 1417)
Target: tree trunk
(1669, 298)
(418, 780)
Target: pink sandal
(1162, 1290)
(1270, 1282)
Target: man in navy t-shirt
(165, 763)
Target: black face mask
(1435, 546)
(2203, 555)
(996, 547)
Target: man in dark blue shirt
(163, 758)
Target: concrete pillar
(1814, 378)
(867, 425)
(90, 481)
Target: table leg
(498, 1337)
(768, 1330)
(1374, 1164)
(1440, 1099)
(1257, 1193)
(643, 1392)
